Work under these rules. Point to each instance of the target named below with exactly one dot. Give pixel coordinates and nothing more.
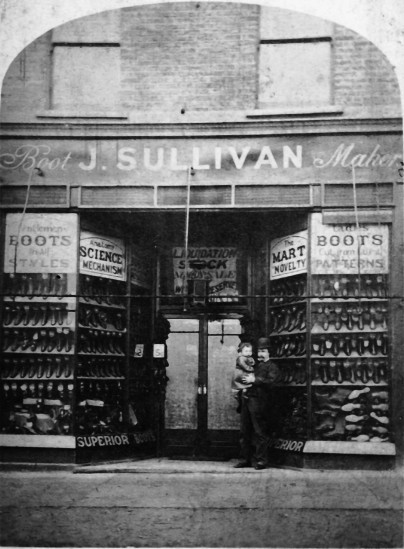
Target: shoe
(260, 466)
(357, 392)
(352, 418)
(360, 438)
(381, 419)
(242, 465)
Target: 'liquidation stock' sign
(218, 265)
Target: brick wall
(26, 85)
(191, 56)
(199, 57)
(362, 74)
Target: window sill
(283, 112)
(88, 114)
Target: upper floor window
(86, 63)
(295, 60)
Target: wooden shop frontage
(135, 258)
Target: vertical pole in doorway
(185, 287)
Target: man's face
(263, 355)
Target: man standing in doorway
(253, 421)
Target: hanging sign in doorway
(217, 265)
(41, 243)
(288, 255)
(102, 256)
(348, 249)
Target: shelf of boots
(102, 292)
(353, 287)
(38, 316)
(93, 303)
(36, 368)
(350, 371)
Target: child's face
(246, 351)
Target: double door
(200, 410)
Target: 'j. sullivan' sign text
(156, 156)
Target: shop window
(86, 63)
(295, 60)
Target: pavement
(176, 503)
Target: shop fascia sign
(202, 155)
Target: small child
(244, 365)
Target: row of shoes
(287, 319)
(34, 315)
(360, 415)
(351, 371)
(36, 284)
(369, 286)
(100, 318)
(292, 372)
(369, 344)
(103, 291)
(45, 340)
(30, 368)
(40, 420)
(16, 392)
(106, 391)
(288, 346)
(350, 317)
(290, 289)
(105, 343)
(100, 368)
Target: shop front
(136, 259)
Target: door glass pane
(184, 325)
(225, 326)
(181, 396)
(222, 355)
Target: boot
(335, 346)
(358, 370)
(52, 341)
(348, 372)
(333, 370)
(337, 318)
(372, 318)
(68, 339)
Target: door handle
(202, 389)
